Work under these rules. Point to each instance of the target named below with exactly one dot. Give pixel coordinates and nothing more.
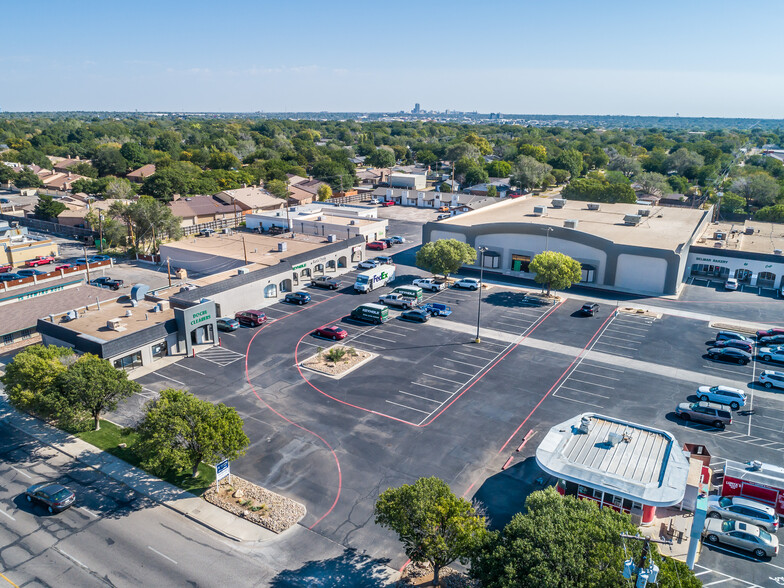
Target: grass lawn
(109, 438)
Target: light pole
(547, 238)
(481, 250)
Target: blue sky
(695, 58)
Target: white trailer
(374, 278)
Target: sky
(665, 58)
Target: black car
(9, 277)
(590, 309)
(107, 282)
(746, 346)
(55, 497)
(729, 354)
(26, 273)
(416, 315)
(771, 340)
(297, 298)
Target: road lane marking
(72, 558)
(8, 515)
(163, 556)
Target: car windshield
(727, 526)
(764, 535)
(61, 495)
(725, 501)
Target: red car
(40, 260)
(377, 245)
(770, 332)
(388, 203)
(334, 332)
(5, 268)
(64, 266)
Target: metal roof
(644, 464)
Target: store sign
(39, 293)
(300, 266)
(710, 260)
(200, 317)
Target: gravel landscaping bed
(352, 359)
(256, 504)
(421, 574)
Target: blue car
(26, 273)
(228, 324)
(297, 298)
(9, 277)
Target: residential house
(139, 175)
(250, 200)
(196, 210)
(372, 176)
(358, 161)
(407, 180)
(54, 180)
(502, 186)
(62, 164)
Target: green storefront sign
(200, 317)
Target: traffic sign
(222, 469)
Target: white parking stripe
(616, 345)
(604, 367)
(440, 367)
(620, 339)
(445, 379)
(469, 354)
(597, 375)
(581, 391)
(579, 401)
(417, 396)
(463, 362)
(8, 515)
(408, 407)
(377, 337)
(431, 387)
(592, 383)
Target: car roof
(772, 373)
(739, 500)
(729, 389)
(709, 404)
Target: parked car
(40, 260)
(5, 201)
(107, 282)
(429, 284)
(705, 412)
(26, 273)
(374, 201)
(746, 346)
(251, 318)
(55, 497)
(64, 266)
(396, 300)
(10, 277)
(97, 258)
(741, 535)
(89, 259)
(771, 353)
(731, 284)
(388, 203)
(6, 268)
(384, 259)
(443, 216)
(726, 335)
(443, 209)
(297, 298)
(368, 264)
(228, 324)
(397, 239)
(376, 245)
(334, 332)
(771, 379)
(325, 282)
(769, 332)
(416, 315)
(771, 340)
(388, 242)
(742, 509)
(589, 309)
(437, 309)
(732, 397)
(730, 354)
(206, 233)
(467, 283)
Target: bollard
(219, 342)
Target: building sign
(200, 317)
(710, 260)
(300, 266)
(222, 469)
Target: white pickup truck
(396, 300)
(429, 284)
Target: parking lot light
(479, 308)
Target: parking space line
(6, 514)
(604, 367)
(451, 370)
(463, 362)
(580, 401)
(470, 354)
(165, 377)
(431, 387)
(29, 477)
(593, 384)
(377, 337)
(445, 379)
(408, 407)
(400, 327)
(616, 345)
(189, 369)
(621, 339)
(598, 375)
(417, 396)
(583, 392)
(644, 332)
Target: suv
(429, 284)
(469, 283)
(705, 412)
(726, 335)
(770, 332)
(589, 309)
(325, 282)
(742, 509)
(251, 318)
(297, 298)
(769, 379)
(732, 397)
(385, 259)
(376, 245)
(771, 353)
(731, 284)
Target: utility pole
(86, 263)
(168, 270)
(288, 222)
(244, 250)
(641, 574)
(100, 229)
(479, 308)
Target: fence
(221, 223)
(49, 227)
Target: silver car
(714, 414)
(743, 509)
(741, 535)
(771, 353)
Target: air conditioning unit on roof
(632, 219)
(540, 210)
(558, 202)
(594, 206)
(571, 223)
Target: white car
(374, 201)
(397, 239)
(467, 283)
(368, 264)
(771, 353)
(732, 397)
(731, 284)
(771, 379)
(429, 284)
(742, 509)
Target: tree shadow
(507, 299)
(350, 570)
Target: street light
(547, 238)
(481, 273)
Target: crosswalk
(220, 355)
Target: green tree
(492, 191)
(679, 184)
(499, 169)
(434, 525)
(625, 164)
(426, 157)
(445, 187)
(771, 214)
(685, 162)
(652, 183)
(564, 542)
(180, 431)
(94, 385)
(462, 149)
(47, 208)
(277, 188)
(528, 173)
(732, 203)
(27, 178)
(381, 157)
(84, 169)
(538, 152)
(30, 377)
(110, 162)
(324, 192)
(571, 160)
(445, 256)
(759, 188)
(134, 154)
(598, 188)
(484, 146)
(223, 160)
(118, 188)
(555, 270)
(476, 175)
(561, 176)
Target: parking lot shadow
(350, 570)
(503, 495)
(507, 299)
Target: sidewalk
(185, 503)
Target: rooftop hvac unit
(332, 238)
(632, 219)
(72, 315)
(777, 252)
(114, 324)
(242, 270)
(164, 305)
(558, 202)
(594, 206)
(718, 244)
(749, 230)
(138, 291)
(614, 438)
(571, 223)
(321, 218)
(585, 425)
(719, 235)
(643, 211)
(281, 246)
(540, 210)
(755, 465)
(352, 222)
(129, 312)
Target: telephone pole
(100, 229)
(86, 263)
(642, 575)
(168, 270)
(244, 250)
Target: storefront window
(520, 262)
(588, 274)
(160, 350)
(129, 361)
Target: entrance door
(743, 275)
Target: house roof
(311, 186)
(252, 198)
(295, 179)
(144, 171)
(299, 194)
(198, 206)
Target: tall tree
(759, 188)
(445, 256)
(48, 208)
(555, 270)
(324, 192)
(685, 162)
(29, 378)
(528, 173)
(381, 157)
(652, 183)
(110, 162)
(180, 431)
(538, 152)
(94, 385)
(571, 160)
(434, 525)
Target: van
(409, 292)
(371, 313)
(251, 318)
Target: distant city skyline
(700, 58)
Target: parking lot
(434, 402)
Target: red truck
(40, 260)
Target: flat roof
(664, 227)
(766, 238)
(768, 474)
(93, 322)
(646, 465)
(262, 249)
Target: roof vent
(644, 211)
(594, 206)
(614, 438)
(755, 465)
(632, 219)
(540, 210)
(749, 230)
(242, 270)
(281, 246)
(719, 235)
(777, 252)
(718, 244)
(321, 218)
(352, 222)
(332, 238)
(571, 223)
(585, 425)
(72, 315)
(558, 202)
(129, 312)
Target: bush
(335, 354)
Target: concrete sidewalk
(193, 507)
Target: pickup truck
(396, 300)
(436, 309)
(107, 282)
(40, 260)
(429, 284)
(325, 282)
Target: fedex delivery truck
(374, 278)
